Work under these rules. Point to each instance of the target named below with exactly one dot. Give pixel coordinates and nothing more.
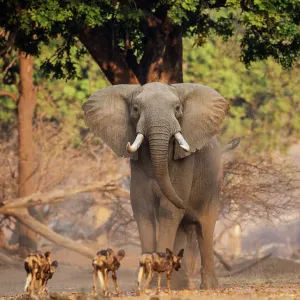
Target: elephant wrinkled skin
(175, 160)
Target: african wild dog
(158, 262)
(103, 262)
(39, 268)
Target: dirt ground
(272, 279)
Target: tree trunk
(26, 106)
(161, 61)
(108, 56)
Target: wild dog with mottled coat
(103, 262)
(159, 262)
(38, 267)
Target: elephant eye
(177, 107)
(135, 108)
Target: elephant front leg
(169, 220)
(143, 207)
(205, 235)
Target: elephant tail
(231, 145)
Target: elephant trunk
(159, 138)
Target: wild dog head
(120, 255)
(53, 268)
(176, 259)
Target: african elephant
(175, 159)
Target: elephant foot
(208, 281)
(180, 281)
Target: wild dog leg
(44, 285)
(140, 278)
(150, 274)
(158, 283)
(40, 288)
(33, 282)
(106, 289)
(114, 277)
(169, 281)
(95, 277)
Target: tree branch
(58, 195)
(10, 261)
(108, 56)
(222, 261)
(102, 228)
(8, 66)
(251, 265)
(12, 95)
(43, 230)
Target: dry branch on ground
(59, 195)
(17, 209)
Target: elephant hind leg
(205, 234)
(180, 279)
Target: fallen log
(226, 265)
(17, 208)
(9, 260)
(23, 217)
(59, 195)
(251, 265)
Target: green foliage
(265, 99)
(7, 110)
(58, 102)
(269, 28)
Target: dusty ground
(272, 279)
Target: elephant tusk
(136, 144)
(182, 142)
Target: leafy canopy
(265, 100)
(58, 102)
(268, 28)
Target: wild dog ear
(121, 254)
(110, 255)
(168, 251)
(180, 254)
(47, 254)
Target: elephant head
(125, 114)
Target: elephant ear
(106, 112)
(203, 111)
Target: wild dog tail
(142, 272)
(101, 279)
(27, 267)
(28, 281)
